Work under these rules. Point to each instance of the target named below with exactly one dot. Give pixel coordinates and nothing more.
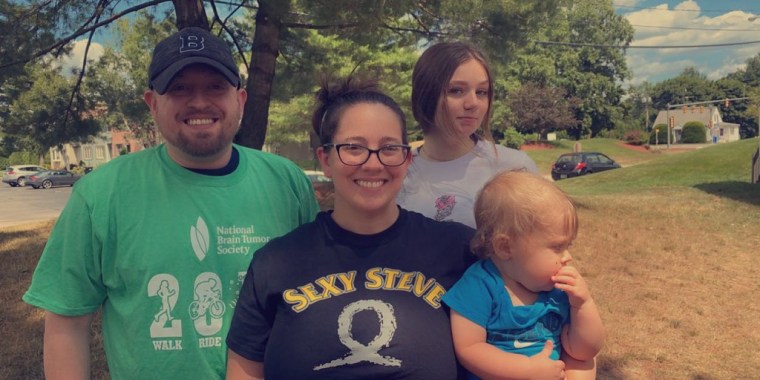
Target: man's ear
(500, 244)
(242, 95)
(148, 97)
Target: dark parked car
(576, 164)
(49, 178)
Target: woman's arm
(66, 346)
(489, 362)
(240, 368)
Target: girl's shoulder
(505, 158)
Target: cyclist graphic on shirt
(207, 298)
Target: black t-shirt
(325, 303)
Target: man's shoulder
(122, 166)
(260, 155)
(265, 160)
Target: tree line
(285, 46)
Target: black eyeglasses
(355, 154)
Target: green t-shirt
(163, 251)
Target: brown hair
(430, 80)
(513, 203)
(334, 97)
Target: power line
(581, 44)
(682, 10)
(687, 28)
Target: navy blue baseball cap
(189, 46)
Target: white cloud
(722, 71)
(74, 60)
(683, 25)
(626, 3)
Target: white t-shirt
(446, 190)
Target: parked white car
(16, 175)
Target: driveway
(26, 205)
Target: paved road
(25, 205)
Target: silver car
(16, 175)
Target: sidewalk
(680, 146)
(18, 222)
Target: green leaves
(46, 115)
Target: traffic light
(726, 103)
(672, 122)
(684, 109)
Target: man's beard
(205, 144)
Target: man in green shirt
(160, 240)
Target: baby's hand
(546, 368)
(569, 280)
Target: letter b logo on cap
(191, 43)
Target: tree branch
(60, 44)
(319, 27)
(96, 16)
(223, 24)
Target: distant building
(717, 131)
(95, 152)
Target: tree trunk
(266, 45)
(190, 13)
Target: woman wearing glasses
(356, 293)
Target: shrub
(616, 134)
(661, 133)
(532, 137)
(22, 158)
(635, 137)
(512, 139)
(693, 133)
(563, 135)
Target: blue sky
(687, 23)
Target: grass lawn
(669, 244)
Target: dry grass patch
(22, 325)
(673, 272)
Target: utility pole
(646, 111)
(667, 117)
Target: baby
(522, 311)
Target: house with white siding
(717, 131)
